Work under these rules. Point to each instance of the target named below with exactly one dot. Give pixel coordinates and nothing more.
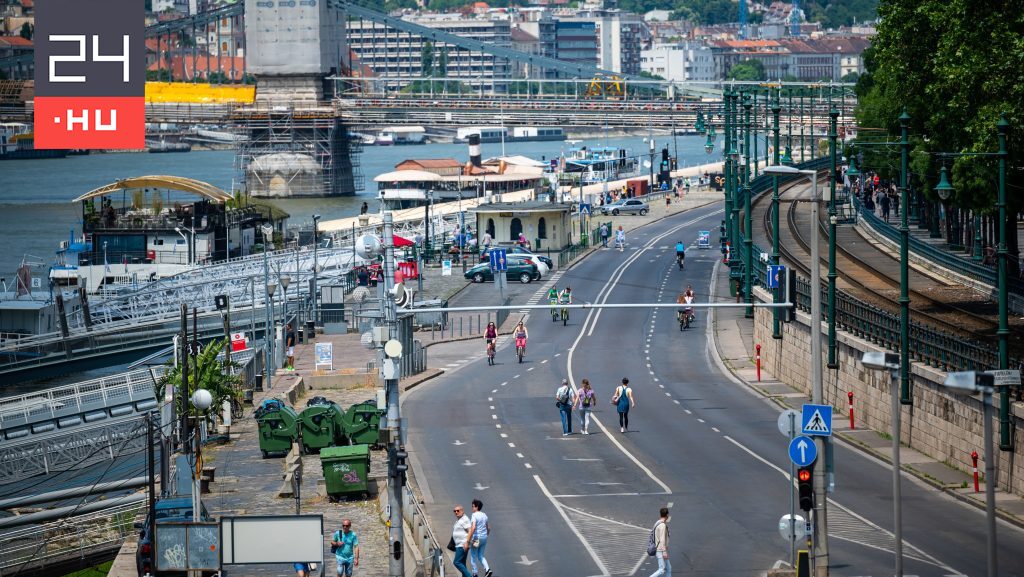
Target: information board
(325, 355)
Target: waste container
(318, 424)
(346, 471)
(361, 423)
(276, 422)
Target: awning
(400, 242)
(407, 176)
(179, 183)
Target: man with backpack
(565, 398)
(657, 545)
(345, 546)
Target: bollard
(757, 348)
(849, 395)
(974, 458)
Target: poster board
(324, 355)
(296, 539)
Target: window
(515, 228)
(490, 228)
(542, 228)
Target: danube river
(36, 195)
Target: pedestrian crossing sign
(816, 420)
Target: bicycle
(681, 260)
(554, 312)
(565, 316)
(490, 352)
(520, 348)
(237, 410)
(685, 318)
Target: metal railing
(80, 536)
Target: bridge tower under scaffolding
(291, 143)
(289, 153)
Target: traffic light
(805, 487)
(398, 466)
(789, 313)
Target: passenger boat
(601, 164)
(139, 230)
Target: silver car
(626, 206)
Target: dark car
(520, 267)
(521, 250)
(626, 206)
(176, 509)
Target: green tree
(27, 30)
(747, 70)
(206, 371)
(427, 59)
(951, 65)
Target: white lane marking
(512, 445)
(494, 391)
(452, 365)
(715, 429)
(504, 435)
(494, 417)
(676, 401)
(530, 369)
(558, 354)
(688, 411)
(572, 526)
(520, 455)
(497, 425)
(661, 385)
(700, 420)
(668, 394)
(491, 399)
(544, 361)
(516, 377)
(527, 465)
(505, 383)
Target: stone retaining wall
(939, 424)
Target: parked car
(524, 269)
(176, 509)
(626, 206)
(516, 249)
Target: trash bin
(346, 470)
(361, 423)
(318, 424)
(276, 422)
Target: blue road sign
(816, 420)
(585, 208)
(802, 451)
(775, 274)
(498, 259)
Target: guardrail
(78, 537)
(985, 273)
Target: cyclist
(491, 337)
(565, 298)
(620, 238)
(553, 300)
(686, 299)
(680, 254)
(521, 335)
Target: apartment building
(681, 61)
(576, 41)
(620, 38)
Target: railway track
(864, 280)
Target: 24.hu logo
(90, 65)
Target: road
(698, 442)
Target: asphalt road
(698, 442)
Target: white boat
(404, 134)
(384, 140)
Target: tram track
(859, 278)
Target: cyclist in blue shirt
(680, 254)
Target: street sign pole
(792, 498)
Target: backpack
(585, 401)
(652, 543)
(563, 395)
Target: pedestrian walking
(661, 545)
(585, 401)
(883, 201)
(604, 235)
(479, 529)
(460, 540)
(623, 401)
(345, 546)
(289, 342)
(302, 569)
(565, 398)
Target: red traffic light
(804, 475)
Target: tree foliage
(206, 371)
(747, 70)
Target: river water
(36, 195)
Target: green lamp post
(833, 116)
(776, 321)
(905, 395)
(748, 240)
(728, 169)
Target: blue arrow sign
(816, 420)
(498, 260)
(775, 274)
(802, 451)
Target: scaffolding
(293, 153)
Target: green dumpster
(361, 423)
(276, 422)
(318, 424)
(346, 470)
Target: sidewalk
(734, 348)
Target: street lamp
(191, 257)
(313, 293)
(970, 383)
(268, 369)
(202, 400)
(650, 142)
(817, 394)
(285, 281)
(891, 362)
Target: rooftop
(526, 206)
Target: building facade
(683, 61)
